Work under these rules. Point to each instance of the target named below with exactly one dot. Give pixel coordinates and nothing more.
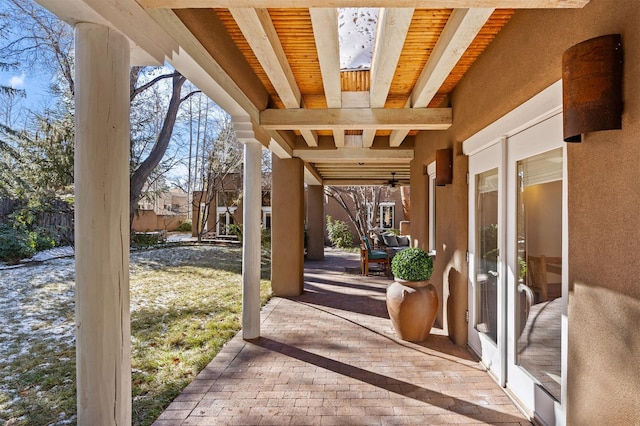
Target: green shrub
(144, 240)
(45, 238)
(339, 233)
(184, 226)
(412, 264)
(17, 243)
(265, 239)
(235, 229)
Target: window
(431, 171)
(227, 198)
(387, 215)
(266, 217)
(266, 198)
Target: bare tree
(44, 42)
(143, 170)
(360, 203)
(221, 162)
(405, 196)
(41, 41)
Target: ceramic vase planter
(412, 307)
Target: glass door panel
(539, 246)
(536, 253)
(486, 287)
(487, 254)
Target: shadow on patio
(330, 356)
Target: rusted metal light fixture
(592, 87)
(444, 166)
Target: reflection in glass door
(539, 249)
(486, 276)
(487, 254)
(519, 291)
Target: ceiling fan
(393, 182)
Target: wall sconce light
(592, 86)
(444, 166)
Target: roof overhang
(276, 63)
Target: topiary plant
(412, 264)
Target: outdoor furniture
(537, 269)
(393, 243)
(369, 255)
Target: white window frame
(266, 211)
(431, 171)
(228, 212)
(381, 207)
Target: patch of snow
(52, 254)
(357, 34)
(38, 303)
(184, 236)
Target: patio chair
(369, 255)
(537, 268)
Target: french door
(537, 249)
(486, 277)
(518, 250)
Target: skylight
(357, 34)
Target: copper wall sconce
(592, 87)
(444, 166)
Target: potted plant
(412, 302)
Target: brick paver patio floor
(330, 357)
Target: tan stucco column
(251, 216)
(103, 333)
(287, 227)
(315, 222)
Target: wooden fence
(58, 219)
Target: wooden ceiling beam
(360, 182)
(433, 4)
(209, 30)
(258, 30)
(356, 118)
(325, 30)
(355, 155)
(391, 32)
(461, 29)
(356, 169)
(197, 64)
(311, 175)
(329, 175)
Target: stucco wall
(148, 220)
(604, 192)
(450, 267)
(287, 227)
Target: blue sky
(36, 86)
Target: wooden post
(251, 229)
(251, 240)
(287, 227)
(103, 332)
(315, 222)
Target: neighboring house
(217, 211)
(164, 211)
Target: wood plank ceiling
(350, 127)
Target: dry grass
(185, 304)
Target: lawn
(185, 304)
